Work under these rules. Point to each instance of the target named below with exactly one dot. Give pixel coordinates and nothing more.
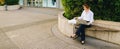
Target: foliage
(72, 8)
(103, 9)
(2, 2)
(12, 2)
(8, 2)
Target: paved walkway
(36, 28)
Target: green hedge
(103, 9)
(12, 2)
(72, 8)
(1, 2)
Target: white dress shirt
(88, 16)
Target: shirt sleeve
(91, 18)
(81, 17)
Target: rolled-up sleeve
(91, 18)
(81, 17)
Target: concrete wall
(106, 35)
(2, 8)
(11, 7)
(63, 26)
(113, 37)
(59, 4)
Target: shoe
(20, 8)
(82, 42)
(71, 36)
(75, 37)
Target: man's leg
(77, 33)
(82, 32)
(78, 30)
(82, 29)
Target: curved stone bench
(10, 7)
(104, 30)
(64, 27)
(99, 28)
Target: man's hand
(88, 23)
(76, 18)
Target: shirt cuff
(79, 18)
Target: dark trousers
(81, 31)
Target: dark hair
(86, 5)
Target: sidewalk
(91, 43)
(36, 28)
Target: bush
(72, 8)
(103, 9)
(106, 9)
(2, 2)
(8, 2)
(12, 2)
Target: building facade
(43, 3)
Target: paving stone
(35, 28)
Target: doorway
(41, 3)
(49, 3)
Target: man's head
(86, 7)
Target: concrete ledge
(2, 8)
(10, 7)
(63, 25)
(112, 35)
(109, 36)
